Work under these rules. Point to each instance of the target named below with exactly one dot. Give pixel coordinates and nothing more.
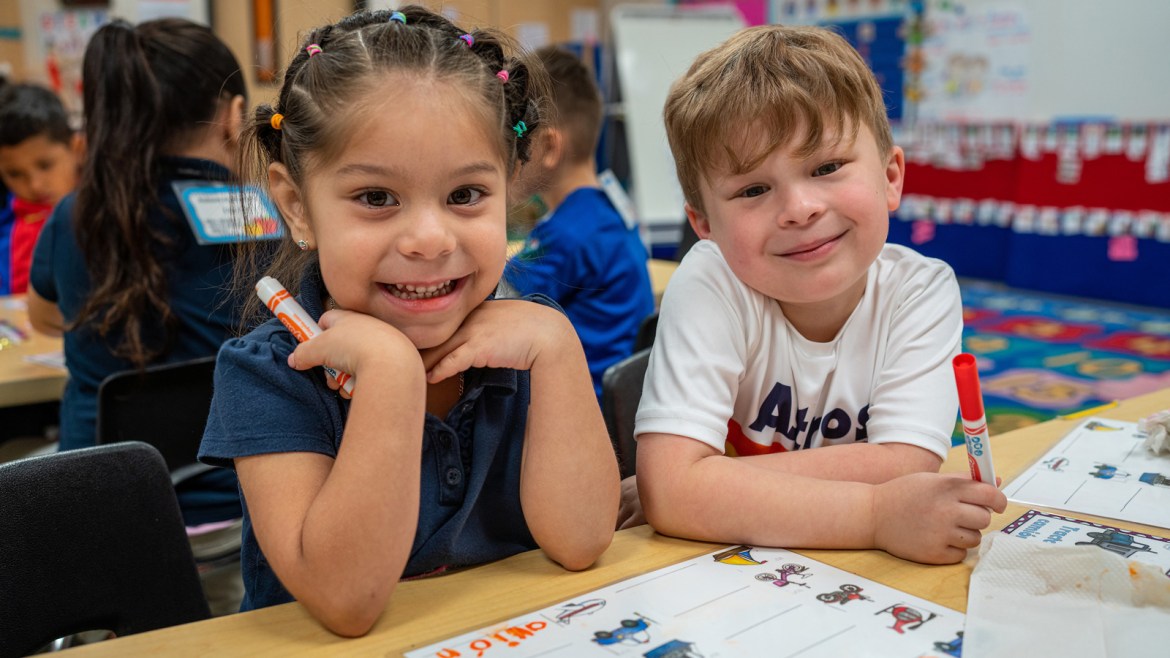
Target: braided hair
(320, 86)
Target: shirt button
(454, 476)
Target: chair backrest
(621, 389)
(164, 405)
(92, 539)
(646, 332)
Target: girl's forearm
(569, 485)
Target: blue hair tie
(398, 16)
(520, 129)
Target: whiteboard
(654, 46)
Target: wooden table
(422, 612)
(22, 382)
(660, 271)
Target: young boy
(39, 159)
(792, 325)
(582, 254)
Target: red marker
(296, 320)
(974, 419)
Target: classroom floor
(1044, 355)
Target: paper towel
(1028, 598)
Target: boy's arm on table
(690, 490)
(338, 532)
(855, 462)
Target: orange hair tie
(276, 121)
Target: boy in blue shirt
(582, 254)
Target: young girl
(117, 268)
(473, 433)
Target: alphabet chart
(1062, 530)
(741, 601)
(1100, 468)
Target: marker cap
(967, 381)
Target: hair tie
(520, 129)
(398, 16)
(468, 39)
(313, 49)
(502, 75)
(276, 120)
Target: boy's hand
(932, 518)
(504, 333)
(351, 341)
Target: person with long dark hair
(118, 270)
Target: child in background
(473, 433)
(118, 269)
(582, 254)
(39, 158)
(792, 338)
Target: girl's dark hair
(320, 91)
(148, 90)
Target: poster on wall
(976, 63)
(64, 35)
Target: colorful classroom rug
(1040, 356)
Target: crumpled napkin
(1157, 428)
(1030, 598)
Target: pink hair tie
(468, 39)
(313, 49)
(502, 75)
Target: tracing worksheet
(1065, 531)
(740, 601)
(1101, 468)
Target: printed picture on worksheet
(1056, 530)
(1101, 468)
(740, 601)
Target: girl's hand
(352, 342)
(933, 518)
(504, 333)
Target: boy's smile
(804, 230)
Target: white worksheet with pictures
(1101, 468)
(741, 601)
(1058, 530)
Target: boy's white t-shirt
(724, 347)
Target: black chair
(621, 389)
(646, 332)
(165, 406)
(92, 539)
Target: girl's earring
(303, 244)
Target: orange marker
(296, 320)
(974, 419)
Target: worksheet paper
(1055, 530)
(740, 601)
(1100, 468)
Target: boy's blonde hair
(777, 78)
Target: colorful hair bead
(313, 49)
(398, 16)
(520, 129)
(468, 39)
(276, 121)
(502, 75)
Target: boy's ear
(77, 145)
(287, 196)
(698, 220)
(552, 149)
(895, 176)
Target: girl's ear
(235, 120)
(286, 194)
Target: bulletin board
(654, 46)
